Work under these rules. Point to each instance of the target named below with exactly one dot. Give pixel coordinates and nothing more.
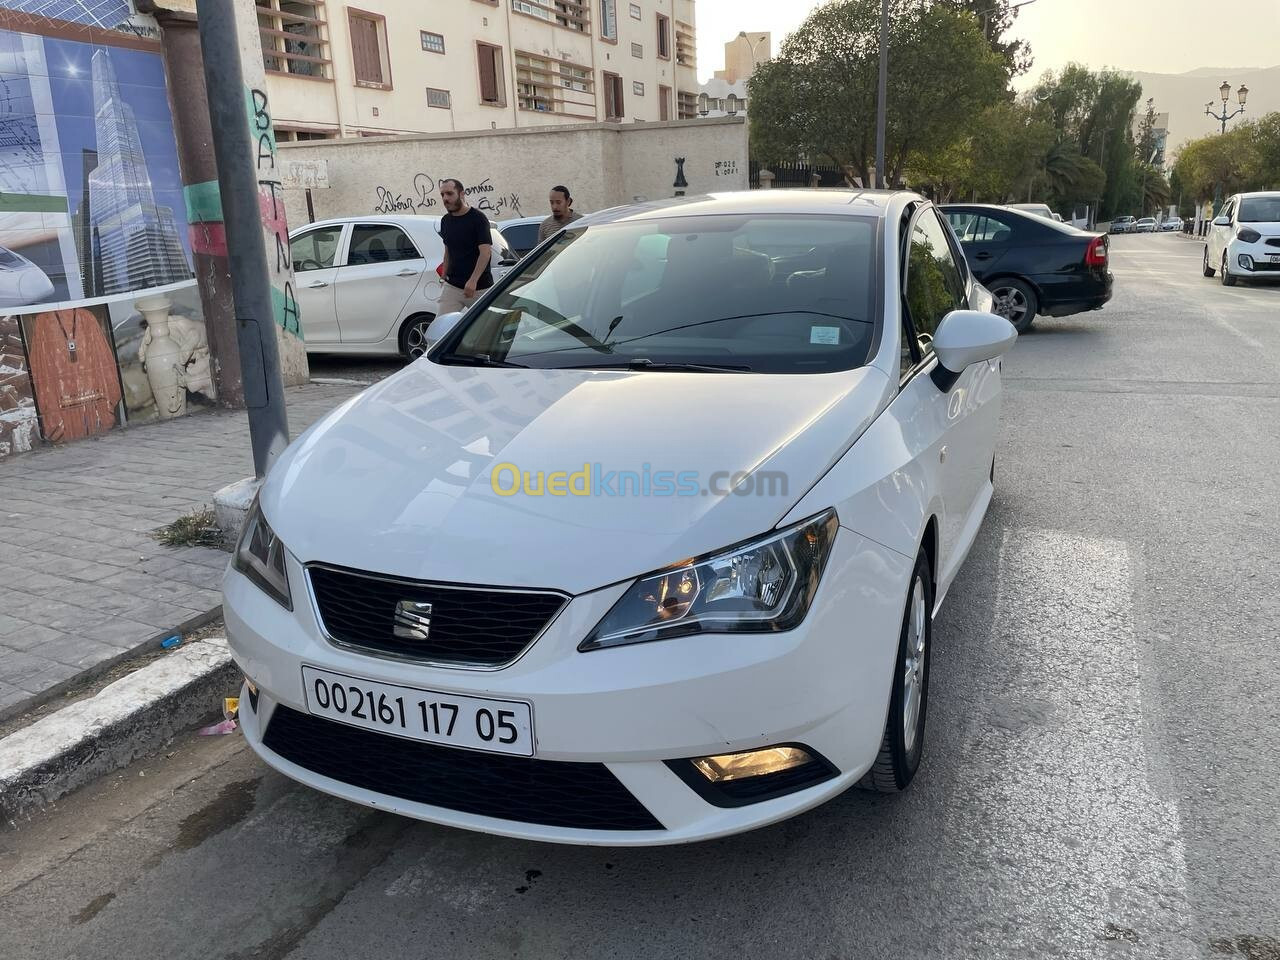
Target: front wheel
(1207, 268)
(903, 742)
(1016, 302)
(1227, 279)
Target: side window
(379, 243)
(523, 237)
(315, 249)
(935, 285)
(964, 224)
(992, 230)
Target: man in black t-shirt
(467, 248)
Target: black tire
(901, 747)
(1227, 279)
(1016, 302)
(411, 332)
(1205, 268)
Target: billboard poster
(18, 428)
(91, 202)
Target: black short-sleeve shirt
(462, 237)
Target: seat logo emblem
(412, 620)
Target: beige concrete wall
(510, 172)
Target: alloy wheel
(1010, 304)
(913, 666)
(415, 338)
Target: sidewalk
(82, 582)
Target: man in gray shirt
(561, 213)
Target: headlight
(260, 557)
(1249, 235)
(761, 586)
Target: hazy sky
(1162, 36)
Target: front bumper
(630, 709)
(1253, 259)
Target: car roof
(1254, 194)
(867, 203)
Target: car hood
(399, 479)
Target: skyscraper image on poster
(134, 240)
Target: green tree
(995, 19)
(817, 99)
(997, 160)
(1229, 161)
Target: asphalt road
(1102, 776)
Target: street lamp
(984, 13)
(1225, 92)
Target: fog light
(752, 763)
(253, 693)
(738, 779)
(1246, 262)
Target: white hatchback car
(369, 284)
(647, 548)
(1244, 239)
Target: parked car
(21, 281)
(494, 636)
(1244, 239)
(1122, 225)
(521, 233)
(1032, 265)
(370, 284)
(1039, 209)
(1145, 225)
(1172, 223)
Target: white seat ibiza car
(647, 548)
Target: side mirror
(966, 337)
(1222, 221)
(441, 326)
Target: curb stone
(126, 719)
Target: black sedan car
(1030, 264)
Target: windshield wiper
(481, 360)
(644, 363)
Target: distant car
(1031, 264)
(521, 233)
(1145, 225)
(1172, 223)
(370, 284)
(21, 281)
(1244, 239)
(1039, 209)
(1122, 225)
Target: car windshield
(1260, 210)
(738, 293)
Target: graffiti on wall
(271, 204)
(423, 197)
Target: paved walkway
(82, 581)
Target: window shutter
(488, 75)
(364, 47)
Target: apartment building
(408, 66)
(725, 94)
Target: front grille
(468, 626)
(583, 796)
(1273, 242)
(1265, 267)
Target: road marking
(1059, 800)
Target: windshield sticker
(824, 335)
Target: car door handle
(982, 256)
(317, 285)
(407, 273)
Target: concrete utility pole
(184, 77)
(246, 245)
(882, 92)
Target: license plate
(477, 723)
(1274, 257)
